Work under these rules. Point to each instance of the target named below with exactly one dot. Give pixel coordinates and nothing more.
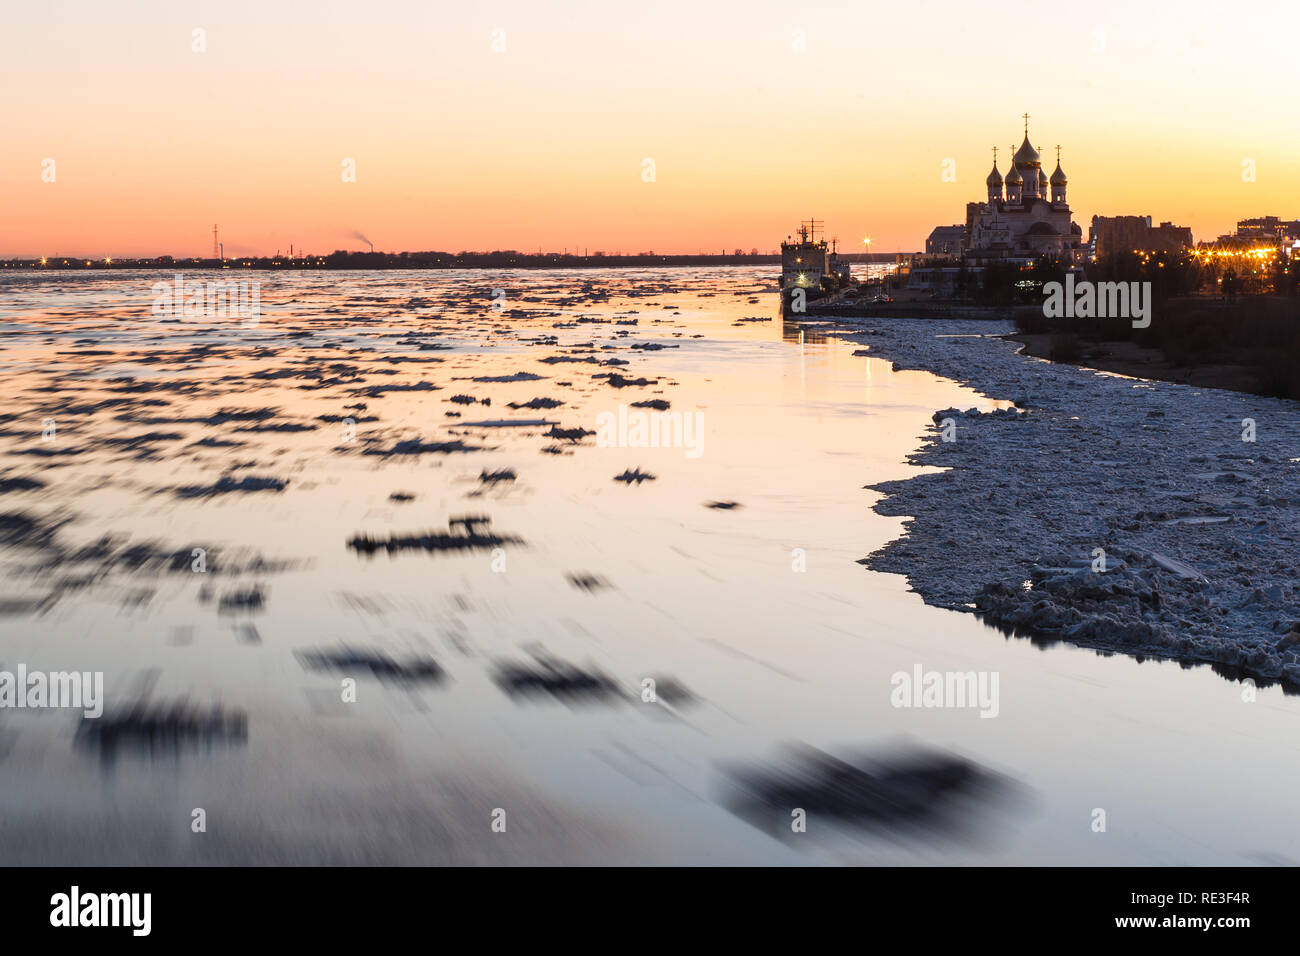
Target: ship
(810, 267)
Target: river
(730, 579)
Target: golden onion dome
(1026, 155)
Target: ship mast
(808, 230)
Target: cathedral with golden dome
(1026, 214)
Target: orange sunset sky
(756, 115)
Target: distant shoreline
(376, 261)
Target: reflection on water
(805, 331)
(386, 567)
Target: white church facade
(1026, 215)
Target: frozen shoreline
(1200, 529)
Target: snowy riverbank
(1200, 529)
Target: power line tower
(216, 247)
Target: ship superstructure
(811, 264)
